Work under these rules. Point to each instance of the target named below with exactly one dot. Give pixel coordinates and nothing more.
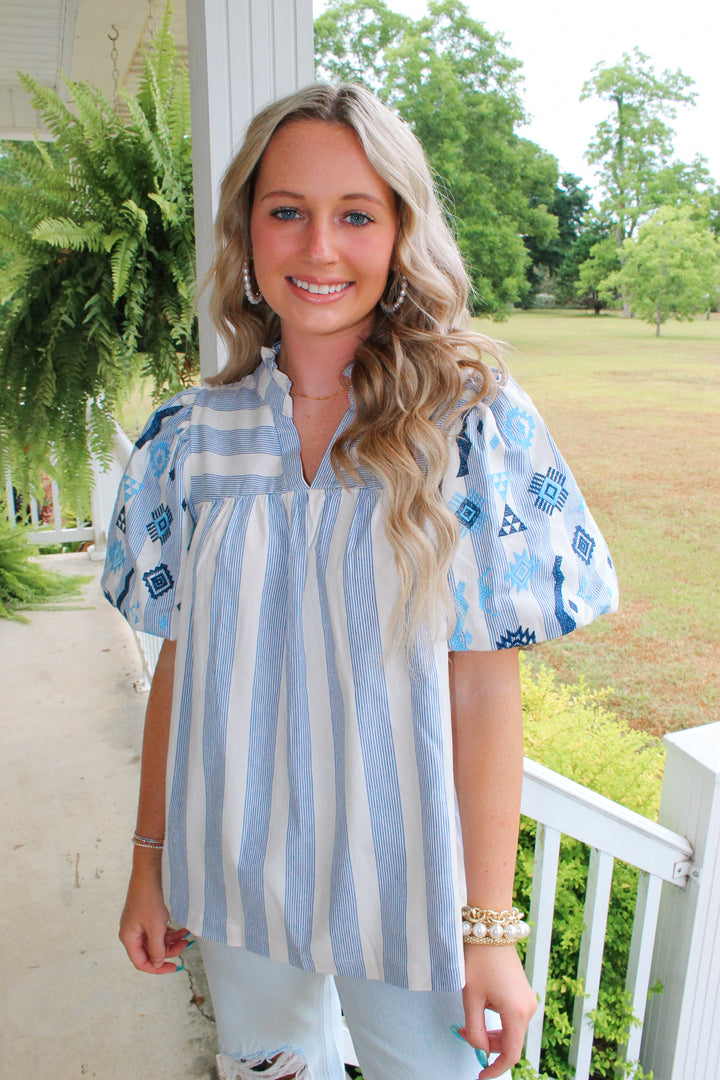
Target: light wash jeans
(264, 1007)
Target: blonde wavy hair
(417, 372)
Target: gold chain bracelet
(483, 926)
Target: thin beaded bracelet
(147, 842)
(483, 926)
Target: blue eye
(358, 217)
(284, 213)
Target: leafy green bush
(568, 729)
(24, 583)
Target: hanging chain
(151, 22)
(115, 70)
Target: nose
(319, 242)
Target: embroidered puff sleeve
(152, 524)
(531, 563)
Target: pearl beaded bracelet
(483, 926)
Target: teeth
(323, 290)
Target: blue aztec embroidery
(115, 556)
(516, 639)
(460, 641)
(159, 580)
(121, 521)
(470, 511)
(567, 623)
(159, 527)
(485, 593)
(501, 480)
(125, 589)
(521, 573)
(583, 545)
(159, 457)
(519, 427)
(549, 490)
(156, 423)
(464, 447)
(134, 610)
(130, 487)
(600, 597)
(511, 523)
(584, 591)
(494, 442)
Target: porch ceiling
(48, 38)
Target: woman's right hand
(144, 930)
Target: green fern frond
(122, 260)
(95, 112)
(169, 210)
(53, 110)
(135, 216)
(13, 277)
(64, 233)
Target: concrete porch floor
(72, 1005)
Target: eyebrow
(281, 193)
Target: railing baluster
(57, 512)
(645, 922)
(542, 907)
(597, 901)
(9, 498)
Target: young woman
(344, 541)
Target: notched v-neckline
(317, 446)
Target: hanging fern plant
(98, 281)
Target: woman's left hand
(495, 979)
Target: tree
(672, 268)
(569, 206)
(635, 143)
(603, 259)
(99, 282)
(589, 259)
(454, 83)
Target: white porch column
(681, 1038)
(242, 54)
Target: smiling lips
(322, 290)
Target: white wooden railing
(43, 534)
(676, 929)
(561, 806)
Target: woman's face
(323, 228)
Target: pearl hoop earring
(390, 309)
(253, 297)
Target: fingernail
(189, 945)
(158, 963)
(179, 967)
(479, 1054)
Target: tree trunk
(658, 321)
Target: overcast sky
(559, 42)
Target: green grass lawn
(637, 418)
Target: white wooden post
(242, 54)
(681, 1038)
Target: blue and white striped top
(310, 800)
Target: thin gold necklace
(324, 397)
